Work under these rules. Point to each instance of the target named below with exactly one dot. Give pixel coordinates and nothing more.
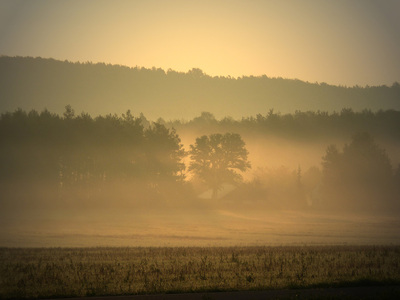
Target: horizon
(289, 40)
(89, 87)
(205, 73)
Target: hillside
(37, 83)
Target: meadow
(71, 272)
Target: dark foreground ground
(291, 272)
(370, 292)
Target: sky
(352, 42)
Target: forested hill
(36, 83)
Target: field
(195, 225)
(65, 272)
(198, 248)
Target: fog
(203, 223)
(124, 181)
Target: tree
(69, 112)
(217, 158)
(371, 163)
(163, 154)
(331, 165)
(361, 175)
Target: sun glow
(339, 43)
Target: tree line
(302, 125)
(100, 88)
(74, 153)
(79, 148)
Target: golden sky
(338, 42)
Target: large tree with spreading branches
(217, 158)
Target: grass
(69, 272)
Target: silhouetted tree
(331, 165)
(216, 159)
(206, 118)
(163, 154)
(360, 175)
(69, 112)
(369, 160)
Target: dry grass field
(73, 253)
(72, 272)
